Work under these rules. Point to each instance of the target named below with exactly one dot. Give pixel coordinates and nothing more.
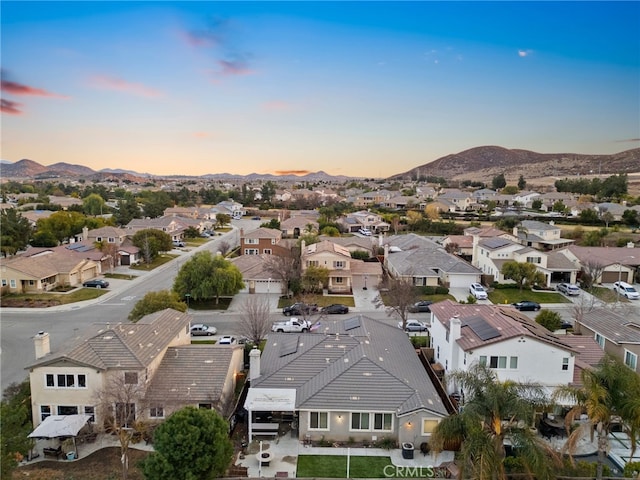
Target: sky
(364, 89)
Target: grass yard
(159, 260)
(335, 466)
(120, 276)
(43, 300)
(513, 295)
(606, 294)
(322, 301)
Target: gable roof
(356, 363)
(326, 246)
(191, 372)
(121, 346)
(55, 261)
(614, 327)
(506, 321)
(607, 255)
(263, 232)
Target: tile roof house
(256, 274)
(262, 241)
(152, 356)
(607, 264)
(352, 222)
(126, 252)
(426, 262)
(504, 339)
(616, 333)
(588, 354)
(540, 235)
(298, 225)
(355, 378)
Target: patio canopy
(271, 399)
(60, 426)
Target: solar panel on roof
(289, 346)
(351, 323)
(496, 242)
(481, 328)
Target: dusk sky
(366, 89)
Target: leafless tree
(224, 247)
(452, 248)
(401, 295)
(254, 321)
(592, 272)
(116, 405)
(284, 268)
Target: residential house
(152, 358)
(352, 222)
(614, 209)
(355, 379)
(461, 245)
(344, 271)
(517, 348)
(261, 241)
(526, 198)
(126, 253)
(606, 264)
(426, 263)
(356, 243)
(229, 207)
(64, 202)
(298, 225)
(368, 199)
(540, 235)
(460, 200)
(256, 274)
(46, 271)
(616, 333)
(588, 354)
(171, 225)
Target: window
(111, 240)
(67, 410)
(251, 241)
(599, 340)
(630, 360)
(251, 251)
(428, 426)
(483, 360)
(565, 363)
(513, 362)
(12, 283)
(338, 280)
(4, 282)
(156, 411)
(534, 260)
(45, 411)
(50, 382)
(268, 251)
(131, 378)
(359, 421)
(125, 414)
(318, 421)
(65, 380)
(90, 410)
(498, 362)
(382, 421)
(312, 263)
(446, 337)
(339, 264)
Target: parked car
(300, 308)
(414, 326)
(178, 244)
(96, 283)
(478, 291)
(626, 290)
(226, 340)
(422, 306)
(365, 231)
(335, 308)
(527, 305)
(568, 289)
(200, 329)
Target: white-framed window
(483, 360)
(630, 360)
(360, 421)
(371, 421)
(12, 283)
(65, 380)
(268, 251)
(318, 421)
(98, 239)
(251, 251)
(534, 260)
(312, 263)
(67, 409)
(565, 363)
(382, 422)
(251, 241)
(599, 340)
(338, 280)
(111, 240)
(4, 282)
(273, 241)
(156, 411)
(428, 425)
(339, 264)
(513, 363)
(45, 411)
(497, 362)
(90, 410)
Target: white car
(226, 340)
(568, 289)
(203, 330)
(478, 291)
(365, 231)
(626, 290)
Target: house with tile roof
(588, 354)
(509, 342)
(352, 222)
(153, 357)
(617, 334)
(607, 264)
(262, 241)
(426, 263)
(256, 274)
(355, 378)
(540, 235)
(298, 225)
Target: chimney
(454, 328)
(41, 342)
(241, 234)
(515, 231)
(254, 363)
(85, 233)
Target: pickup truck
(293, 325)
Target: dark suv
(300, 308)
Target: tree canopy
(156, 301)
(523, 273)
(15, 230)
(192, 444)
(15, 426)
(206, 276)
(151, 242)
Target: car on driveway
(226, 340)
(300, 308)
(177, 244)
(527, 305)
(478, 291)
(201, 330)
(568, 289)
(96, 283)
(335, 308)
(421, 306)
(626, 290)
(414, 326)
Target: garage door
(610, 277)
(265, 286)
(461, 281)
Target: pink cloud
(277, 106)
(20, 89)
(10, 108)
(106, 82)
(237, 67)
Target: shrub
(549, 319)
(428, 290)
(632, 469)
(420, 341)
(442, 290)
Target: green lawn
(320, 300)
(159, 260)
(119, 276)
(606, 294)
(513, 295)
(335, 466)
(51, 299)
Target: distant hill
(484, 163)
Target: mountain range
(479, 164)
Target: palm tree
(492, 412)
(609, 394)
